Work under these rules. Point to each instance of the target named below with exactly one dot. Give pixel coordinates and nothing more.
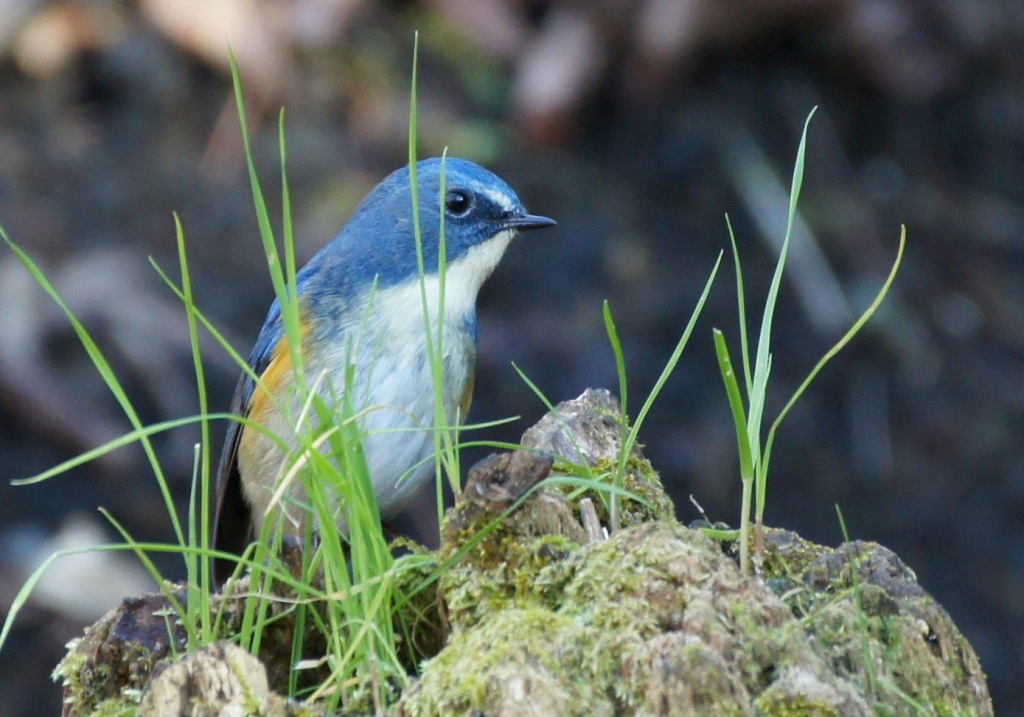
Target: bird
(363, 330)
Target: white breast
(393, 383)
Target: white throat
(462, 281)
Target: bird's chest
(389, 362)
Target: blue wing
(232, 530)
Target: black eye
(457, 202)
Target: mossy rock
(659, 620)
(536, 615)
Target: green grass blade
(829, 355)
(199, 581)
(412, 117)
(120, 442)
(533, 387)
(285, 297)
(620, 360)
(433, 352)
(743, 440)
(620, 366)
(761, 362)
(741, 303)
(798, 173)
(217, 336)
(21, 598)
(291, 308)
(669, 366)
(736, 404)
(109, 378)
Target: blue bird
(361, 306)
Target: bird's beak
(523, 222)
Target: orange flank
(276, 377)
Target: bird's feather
(232, 527)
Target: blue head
(481, 215)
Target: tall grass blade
(620, 367)
(670, 365)
(199, 581)
(110, 379)
(741, 304)
(829, 355)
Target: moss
(121, 707)
(417, 617)
(69, 671)
(641, 480)
(865, 613)
(795, 706)
(501, 573)
(499, 569)
(620, 585)
(787, 555)
(601, 605)
(662, 577)
(91, 684)
(766, 639)
(539, 645)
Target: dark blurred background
(637, 125)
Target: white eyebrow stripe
(501, 199)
